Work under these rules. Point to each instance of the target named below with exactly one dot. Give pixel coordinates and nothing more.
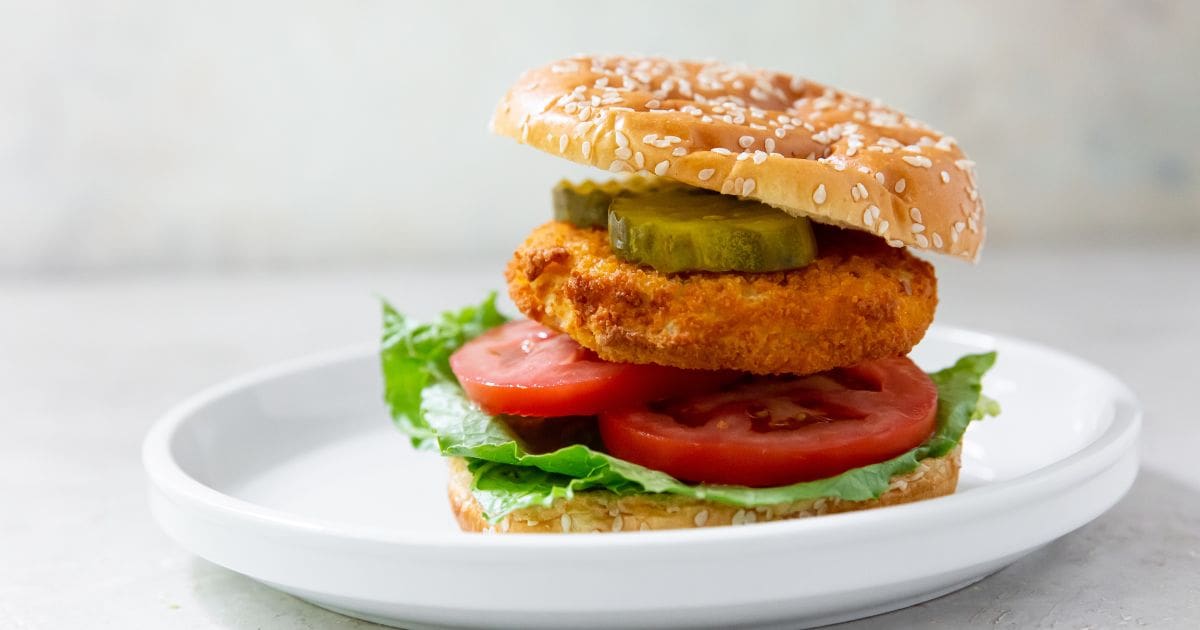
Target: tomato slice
(523, 368)
(773, 431)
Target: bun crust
(806, 148)
(603, 511)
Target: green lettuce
(417, 355)
(430, 407)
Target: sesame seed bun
(806, 148)
(603, 511)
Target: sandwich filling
(519, 462)
(686, 343)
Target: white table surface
(88, 364)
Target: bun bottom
(603, 511)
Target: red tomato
(523, 368)
(774, 431)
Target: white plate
(295, 477)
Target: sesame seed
(922, 240)
(868, 218)
(739, 518)
(819, 195)
(639, 159)
(915, 214)
(721, 151)
(565, 521)
(617, 166)
(895, 243)
(760, 157)
(937, 240)
(945, 177)
(705, 174)
(744, 155)
(769, 143)
(917, 228)
(701, 518)
(587, 149)
(673, 139)
(622, 141)
(747, 187)
(862, 190)
(883, 227)
(918, 160)
(649, 138)
(879, 178)
(746, 141)
(679, 151)
(660, 169)
(623, 152)
(901, 185)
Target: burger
(717, 332)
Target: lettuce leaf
(415, 355)
(429, 406)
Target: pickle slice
(676, 229)
(586, 204)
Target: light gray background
(141, 134)
(190, 190)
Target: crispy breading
(859, 300)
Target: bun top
(806, 148)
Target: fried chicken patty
(859, 300)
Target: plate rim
(168, 477)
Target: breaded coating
(859, 300)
